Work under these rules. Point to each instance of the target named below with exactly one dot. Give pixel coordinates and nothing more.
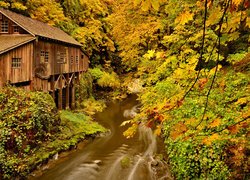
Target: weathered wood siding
(62, 58)
(17, 74)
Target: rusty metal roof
(8, 42)
(38, 28)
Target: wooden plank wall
(21, 74)
(55, 67)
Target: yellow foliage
(191, 121)
(146, 5)
(18, 5)
(149, 54)
(214, 16)
(130, 132)
(212, 71)
(155, 4)
(184, 17)
(236, 2)
(246, 115)
(157, 131)
(4, 4)
(208, 140)
(248, 22)
(242, 101)
(215, 123)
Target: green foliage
(31, 130)
(78, 123)
(125, 162)
(105, 79)
(85, 87)
(96, 73)
(26, 120)
(90, 106)
(109, 80)
(191, 160)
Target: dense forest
(188, 61)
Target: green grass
(79, 123)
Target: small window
(16, 62)
(61, 57)
(46, 58)
(5, 27)
(71, 59)
(77, 59)
(16, 29)
(42, 55)
(82, 56)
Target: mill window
(77, 59)
(46, 57)
(15, 29)
(5, 27)
(71, 59)
(16, 62)
(42, 55)
(61, 57)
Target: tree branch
(217, 61)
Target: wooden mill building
(39, 57)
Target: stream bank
(113, 156)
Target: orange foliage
(209, 140)
(202, 82)
(233, 129)
(215, 123)
(178, 130)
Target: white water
(145, 160)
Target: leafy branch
(217, 62)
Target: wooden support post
(73, 102)
(53, 87)
(60, 94)
(78, 78)
(67, 91)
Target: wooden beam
(73, 102)
(57, 81)
(67, 91)
(53, 86)
(60, 94)
(72, 76)
(78, 78)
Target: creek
(114, 157)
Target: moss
(125, 162)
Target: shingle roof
(39, 28)
(10, 42)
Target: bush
(109, 80)
(26, 120)
(192, 160)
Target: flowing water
(113, 157)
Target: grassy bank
(32, 131)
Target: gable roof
(38, 28)
(8, 43)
